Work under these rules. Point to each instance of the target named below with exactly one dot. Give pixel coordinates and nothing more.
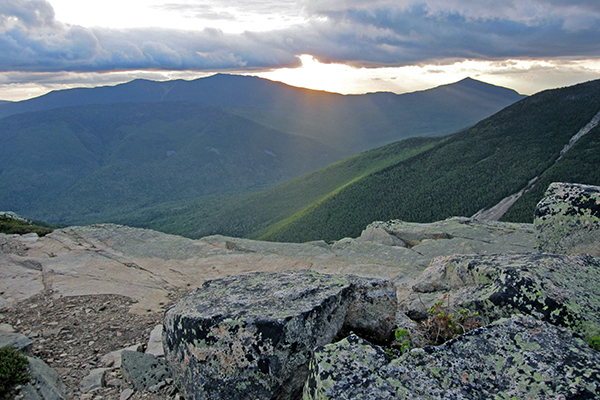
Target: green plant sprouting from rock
(442, 325)
(402, 342)
(13, 370)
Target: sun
(315, 75)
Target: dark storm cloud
(367, 33)
(415, 34)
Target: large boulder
(567, 219)
(562, 290)
(516, 358)
(252, 336)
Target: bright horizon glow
(528, 46)
(526, 77)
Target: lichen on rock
(567, 219)
(560, 289)
(252, 336)
(519, 358)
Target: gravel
(71, 334)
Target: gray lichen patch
(251, 336)
(560, 289)
(516, 358)
(567, 219)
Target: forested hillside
(83, 164)
(247, 214)
(580, 165)
(470, 171)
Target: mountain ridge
(353, 123)
(54, 162)
(139, 89)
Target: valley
(417, 180)
(84, 156)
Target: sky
(345, 46)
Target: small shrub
(442, 326)
(11, 225)
(402, 343)
(594, 342)
(13, 370)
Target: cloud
(358, 32)
(201, 11)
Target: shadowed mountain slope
(248, 213)
(75, 165)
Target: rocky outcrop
(567, 219)
(562, 290)
(150, 266)
(514, 358)
(380, 236)
(460, 235)
(251, 327)
(252, 336)
(17, 340)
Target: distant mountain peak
(477, 84)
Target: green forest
(469, 171)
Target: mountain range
(519, 150)
(89, 155)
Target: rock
(143, 370)
(157, 387)
(461, 235)
(113, 359)
(94, 380)
(114, 383)
(4, 327)
(515, 358)
(17, 340)
(28, 392)
(380, 236)
(45, 383)
(148, 266)
(251, 336)
(126, 394)
(562, 290)
(567, 219)
(155, 345)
